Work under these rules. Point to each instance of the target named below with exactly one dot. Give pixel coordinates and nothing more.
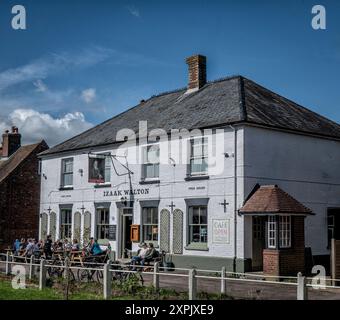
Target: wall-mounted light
(44, 176)
(81, 172)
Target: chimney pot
(197, 72)
(11, 142)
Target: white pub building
(251, 183)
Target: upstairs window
(151, 162)
(199, 156)
(67, 172)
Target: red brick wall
(19, 200)
(271, 262)
(287, 261)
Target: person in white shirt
(141, 255)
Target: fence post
(333, 261)
(107, 281)
(192, 284)
(8, 270)
(301, 287)
(42, 274)
(30, 272)
(113, 255)
(223, 281)
(156, 275)
(67, 268)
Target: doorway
(259, 241)
(125, 227)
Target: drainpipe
(235, 197)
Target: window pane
(204, 234)
(153, 154)
(68, 179)
(150, 173)
(154, 215)
(203, 216)
(195, 234)
(68, 165)
(108, 172)
(196, 215)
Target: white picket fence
(192, 275)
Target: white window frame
(67, 225)
(107, 169)
(64, 173)
(146, 163)
(145, 225)
(285, 231)
(272, 232)
(105, 225)
(191, 225)
(203, 156)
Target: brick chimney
(197, 72)
(11, 142)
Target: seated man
(151, 254)
(141, 255)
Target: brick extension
(272, 200)
(19, 189)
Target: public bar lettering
(120, 193)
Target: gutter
(235, 197)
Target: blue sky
(82, 61)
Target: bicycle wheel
(100, 276)
(135, 277)
(83, 275)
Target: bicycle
(119, 274)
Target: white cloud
(133, 10)
(35, 126)
(88, 95)
(53, 64)
(40, 86)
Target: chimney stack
(11, 142)
(197, 72)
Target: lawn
(31, 293)
(91, 291)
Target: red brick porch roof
(272, 199)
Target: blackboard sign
(113, 232)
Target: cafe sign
(221, 232)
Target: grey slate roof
(227, 101)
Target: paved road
(239, 289)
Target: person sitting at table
(29, 248)
(16, 247)
(139, 258)
(36, 248)
(22, 247)
(150, 255)
(95, 248)
(67, 246)
(75, 245)
(48, 247)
